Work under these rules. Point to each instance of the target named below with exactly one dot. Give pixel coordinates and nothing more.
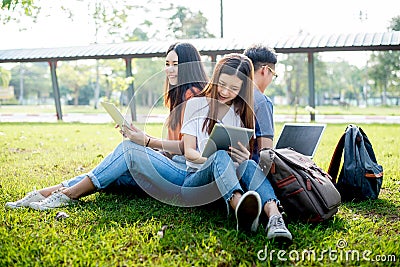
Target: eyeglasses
(271, 70)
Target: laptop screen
(303, 138)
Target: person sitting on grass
(113, 172)
(228, 100)
(135, 162)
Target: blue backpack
(361, 176)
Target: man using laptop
(264, 60)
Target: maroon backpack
(305, 191)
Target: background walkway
(105, 118)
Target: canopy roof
(212, 47)
(141, 49)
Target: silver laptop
(302, 137)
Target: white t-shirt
(196, 112)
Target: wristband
(148, 142)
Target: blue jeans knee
(253, 178)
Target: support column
(131, 89)
(311, 76)
(213, 58)
(56, 89)
(221, 18)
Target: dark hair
(190, 75)
(241, 66)
(261, 55)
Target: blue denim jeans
(218, 177)
(253, 178)
(133, 165)
(138, 167)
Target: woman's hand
(135, 135)
(239, 155)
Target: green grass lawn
(123, 230)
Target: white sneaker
(248, 211)
(55, 200)
(33, 196)
(276, 228)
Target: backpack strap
(334, 165)
(266, 162)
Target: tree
(185, 23)
(296, 78)
(385, 69)
(35, 81)
(182, 23)
(395, 24)
(74, 76)
(117, 21)
(385, 73)
(5, 77)
(110, 22)
(6, 92)
(348, 82)
(13, 10)
(149, 81)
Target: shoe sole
(281, 237)
(41, 208)
(248, 212)
(38, 207)
(282, 240)
(15, 206)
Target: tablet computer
(223, 136)
(115, 113)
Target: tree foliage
(395, 24)
(385, 70)
(15, 9)
(184, 23)
(5, 77)
(295, 78)
(35, 78)
(117, 21)
(74, 77)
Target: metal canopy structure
(309, 44)
(139, 49)
(340, 42)
(211, 47)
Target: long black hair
(242, 67)
(191, 74)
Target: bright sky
(251, 19)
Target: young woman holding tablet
(228, 99)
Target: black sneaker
(248, 211)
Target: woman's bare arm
(191, 154)
(139, 137)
